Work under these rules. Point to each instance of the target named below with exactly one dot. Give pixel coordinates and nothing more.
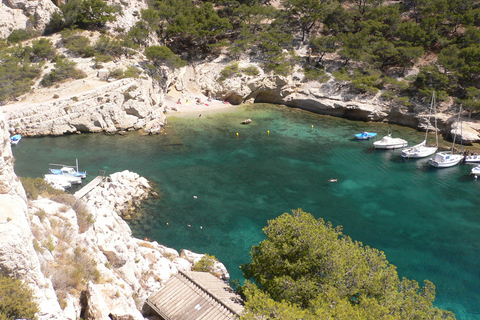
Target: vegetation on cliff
(16, 300)
(307, 269)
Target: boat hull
(365, 135)
(388, 142)
(472, 159)
(445, 160)
(418, 151)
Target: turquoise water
(426, 220)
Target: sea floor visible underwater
(220, 182)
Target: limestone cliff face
(35, 14)
(17, 255)
(111, 106)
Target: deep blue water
(426, 220)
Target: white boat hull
(55, 178)
(445, 160)
(388, 142)
(475, 171)
(472, 159)
(419, 151)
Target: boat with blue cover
(71, 171)
(365, 135)
(15, 139)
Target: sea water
(219, 182)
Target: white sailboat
(388, 142)
(445, 159)
(422, 150)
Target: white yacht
(388, 142)
(475, 171)
(422, 150)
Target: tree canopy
(308, 267)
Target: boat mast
(429, 115)
(435, 112)
(456, 127)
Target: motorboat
(246, 121)
(422, 150)
(473, 158)
(15, 139)
(445, 159)
(365, 135)
(388, 142)
(68, 170)
(475, 171)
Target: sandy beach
(188, 103)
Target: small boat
(68, 170)
(475, 171)
(365, 135)
(445, 159)
(246, 121)
(15, 139)
(473, 158)
(388, 142)
(421, 150)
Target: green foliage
(43, 48)
(38, 186)
(16, 300)
(251, 71)
(19, 35)
(87, 14)
(16, 76)
(229, 71)
(64, 69)
(163, 55)
(76, 43)
(315, 74)
(307, 267)
(108, 46)
(206, 264)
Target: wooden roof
(196, 295)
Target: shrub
(206, 264)
(251, 71)
(132, 72)
(107, 46)
(84, 218)
(315, 74)
(229, 71)
(38, 186)
(64, 69)
(16, 300)
(19, 35)
(76, 43)
(16, 76)
(43, 48)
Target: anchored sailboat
(447, 159)
(421, 150)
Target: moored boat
(365, 135)
(422, 150)
(473, 158)
(475, 171)
(388, 142)
(15, 139)
(445, 159)
(68, 170)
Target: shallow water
(426, 220)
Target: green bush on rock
(16, 300)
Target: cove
(218, 189)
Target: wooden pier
(89, 187)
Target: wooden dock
(89, 187)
